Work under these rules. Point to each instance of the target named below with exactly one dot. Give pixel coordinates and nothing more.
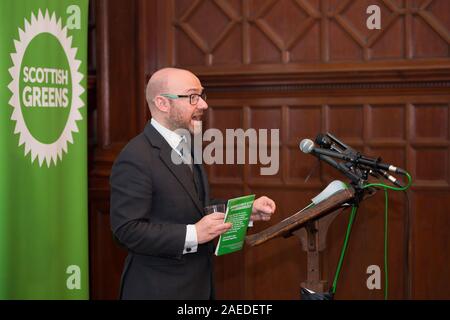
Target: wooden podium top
(301, 218)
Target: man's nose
(202, 104)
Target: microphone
(390, 178)
(307, 146)
(324, 141)
(339, 142)
(353, 157)
(374, 163)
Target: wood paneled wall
(303, 67)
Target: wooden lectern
(311, 226)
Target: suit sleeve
(131, 199)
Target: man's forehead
(196, 89)
(185, 81)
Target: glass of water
(214, 208)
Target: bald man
(157, 204)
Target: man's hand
(211, 226)
(263, 208)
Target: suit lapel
(204, 178)
(181, 172)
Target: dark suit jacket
(152, 201)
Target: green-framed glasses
(193, 97)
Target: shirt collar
(172, 138)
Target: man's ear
(162, 103)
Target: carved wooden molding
(325, 86)
(246, 18)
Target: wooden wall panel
(430, 244)
(106, 259)
(117, 112)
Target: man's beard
(176, 121)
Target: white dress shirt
(174, 139)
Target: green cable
(386, 187)
(344, 248)
(382, 185)
(386, 277)
(349, 227)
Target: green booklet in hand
(238, 213)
